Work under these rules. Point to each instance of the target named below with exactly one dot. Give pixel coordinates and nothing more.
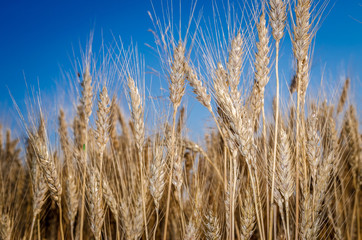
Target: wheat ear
(125, 211)
(301, 43)
(5, 226)
(285, 173)
(261, 67)
(139, 133)
(95, 203)
(247, 219)
(158, 175)
(343, 97)
(177, 76)
(200, 90)
(157, 179)
(39, 187)
(102, 124)
(313, 145)
(109, 198)
(71, 196)
(113, 123)
(234, 66)
(212, 227)
(47, 166)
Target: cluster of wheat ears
(296, 175)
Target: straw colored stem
(297, 166)
(287, 216)
(275, 134)
(118, 236)
(83, 202)
(170, 178)
(143, 193)
(32, 228)
(38, 223)
(255, 202)
(72, 231)
(61, 221)
(266, 164)
(156, 224)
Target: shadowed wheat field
(292, 174)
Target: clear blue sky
(37, 39)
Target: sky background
(39, 39)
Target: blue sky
(38, 39)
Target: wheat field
(295, 173)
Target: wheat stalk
(84, 112)
(177, 90)
(277, 22)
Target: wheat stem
(275, 133)
(38, 223)
(61, 221)
(171, 172)
(32, 228)
(156, 224)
